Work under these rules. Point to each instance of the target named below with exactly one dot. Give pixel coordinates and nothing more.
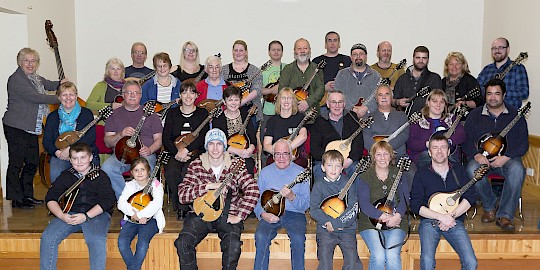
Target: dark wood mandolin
(422, 93)
(388, 204)
(494, 144)
(335, 205)
(68, 138)
(210, 206)
(127, 148)
(273, 202)
(522, 56)
(183, 141)
(67, 198)
(412, 119)
(240, 140)
(140, 199)
(271, 97)
(246, 85)
(388, 80)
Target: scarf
(43, 109)
(68, 121)
(114, 84)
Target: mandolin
(210, 104)
(67, 199)
(388, 80)
(388, 204)
(447, 133)
(209, 207)
(127, 148)
(493, 144)
(344, 146)
(445, 203)
(53, 43)
(301, 92)
(246, 85)
(422, 93)
(183, 141)
(273, 202)
(68, 138)
(271, 97)
(415, 117)
(522, 56)
(240, 140)
(311, 113)
(335, 205)
(142, 80)
(163, 108)
(140, 199)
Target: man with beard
(442, 176)
(335, 61)
(516, 80)
(358, 81)
(494, 116)
(297, 73)
(415, 78)
(384, 66)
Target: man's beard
(359, 63)
(499, 57)
(302, 58)
(416, 67)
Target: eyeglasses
(282, 155)
(138, 52)
(285, 98)
(28, 61)
(190, 50)
(500, 48)
(333, 102)
(132, 93)
(359, 54)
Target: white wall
(15, 25)
(518, 22)
(106, 29)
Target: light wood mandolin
(344, 146)
(445, 203)
(210, 206)
(240, 140)
(68, 138)
(183, 141)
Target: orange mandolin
(240, 140)
(127, 148)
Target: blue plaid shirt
(516, 80)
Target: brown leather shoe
(488, 216)
(505, 224)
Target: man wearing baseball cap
(358, 82)
(204, 175)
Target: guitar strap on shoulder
(456, 178)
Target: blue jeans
(95, 235)
(514, 174)
(326, 244)
(58, 166)
(128, 232)
(114, 169)
(379, 256)
(318, 174)
(430, 235)
(295, 223)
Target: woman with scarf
(108, 91)
(458, 81)
(27, 107)
(70, 116)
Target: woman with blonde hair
(458, 81)
(107, 91)
(190, 64)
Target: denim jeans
(430, 235)
(195, 230)
(128, 232)
(326, 244)
(379, 256)
(318, 174)
(295, 223)
(114, 169)
(58, 166)
(95, 235)
(514, 174)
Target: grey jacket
(354, 88)
(24, 100)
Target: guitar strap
(456, 178)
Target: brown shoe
(488, 216)
(505, 224)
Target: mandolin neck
(59, 66)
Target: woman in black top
(180, 121)
(190, 64)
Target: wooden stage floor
(494, 247)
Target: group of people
(335, 110)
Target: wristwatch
(87, 217)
